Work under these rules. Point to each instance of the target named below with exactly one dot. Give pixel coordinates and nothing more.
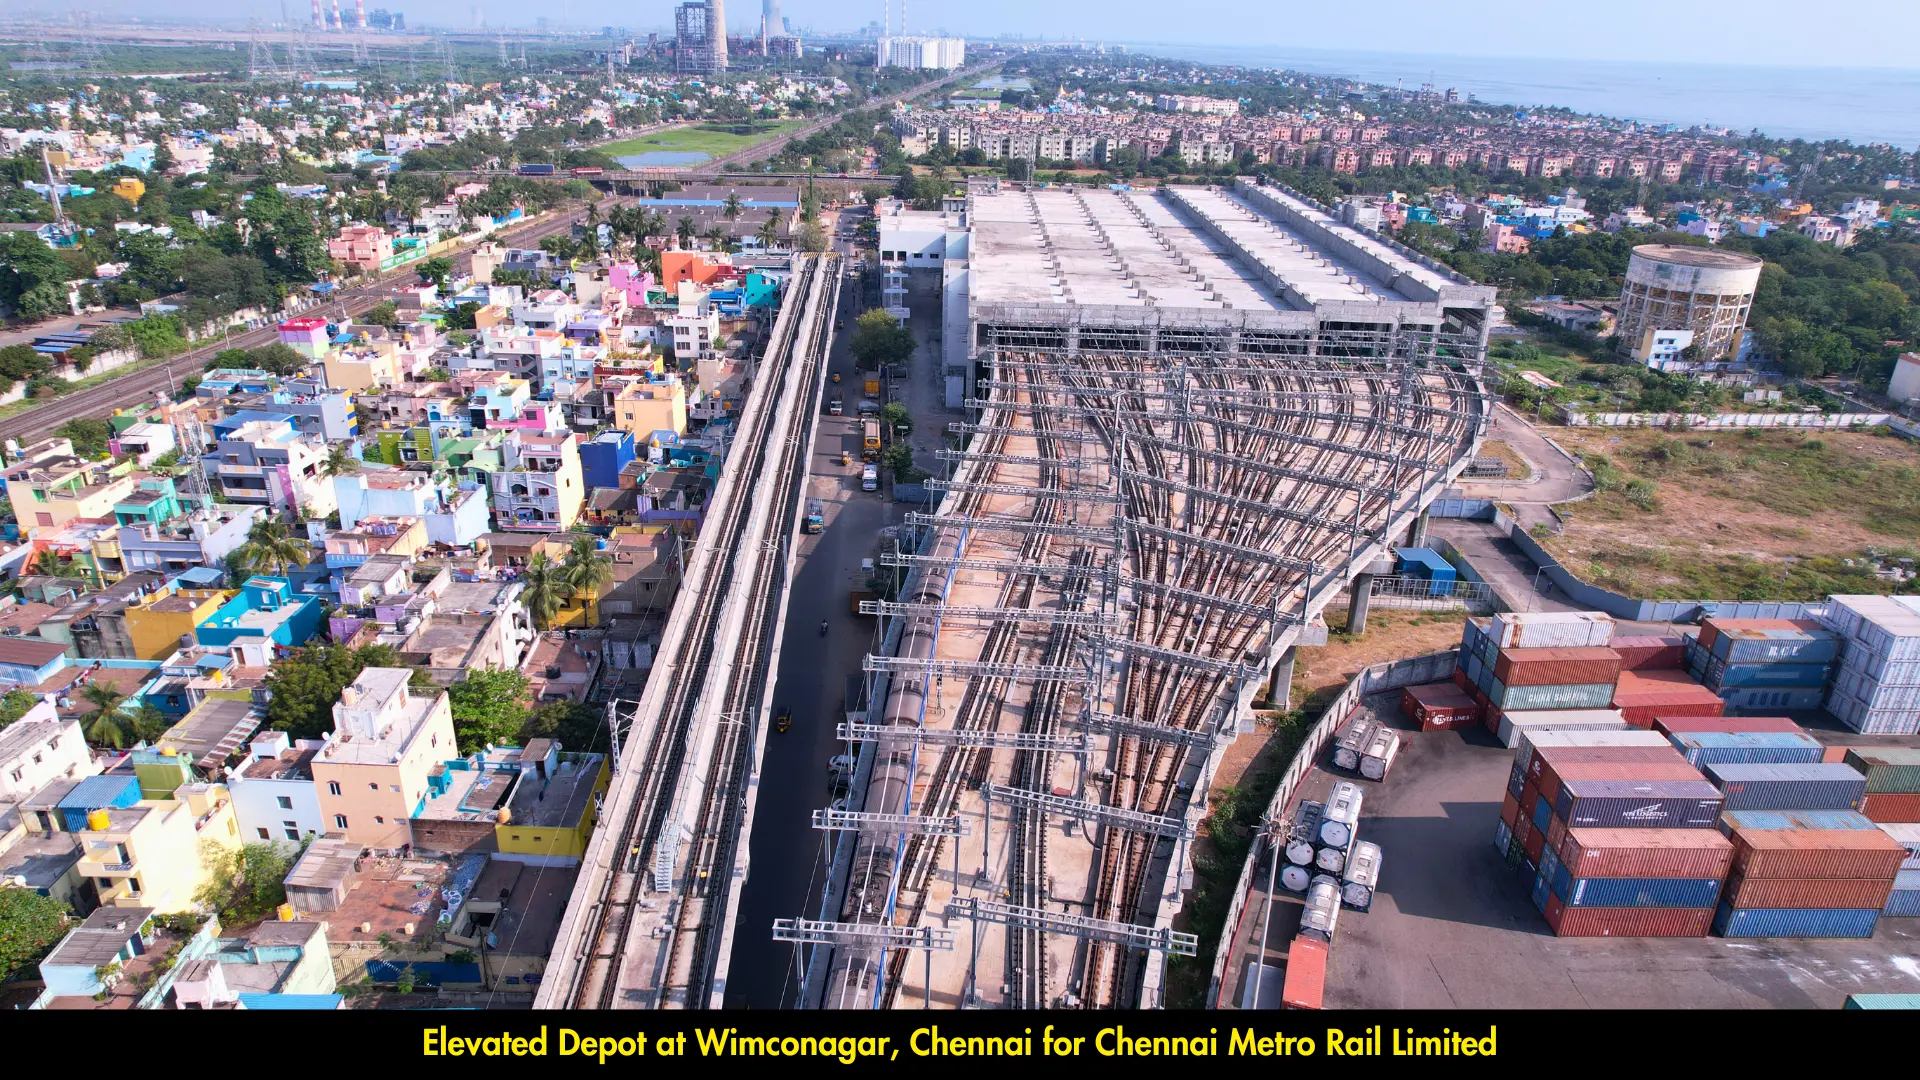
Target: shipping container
(1674, 725)
(1788, 787)
(1902, 904)
(1557, 667)
(1891, 808)
(1643, 695)
(1510, 727)
(1380, 753)
(1503, 838)
(1534, 698)
(1875, 694)
(1650, 653)
(1533, 846)
(1892, 770)
(1542, 816)
(1861, 661)
(1438, 705)
(1792, 820)
(1907, 835)
(1795, 699)
(1550, 629)
(1834, 753)
(1644, 804)
(1860, 716)
(1532, 738)
(1553, 779)
(1306, 974)
(1881, 624)
(1352, 741)
(1636, 892)
(1509, 809)
(1703, 748)
(1516, 779)
(1645, 853)
(1361, 877)
(1774, 853)
(1883, 1001)
(1795, 922)
(1556, 835)
(1628, 922)
(1752, 892)
(1543, 767)
(1722, 676)
(1769, 641)
(1541, 892)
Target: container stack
(1876, 688)
(1439, 705)
(1674, 725)
(1642, 695)
(1651, 653)
(1764, 663)
(1806, 873)
(1535, 670)
(1904, 901)
(1893, 782)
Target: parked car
(870, 477)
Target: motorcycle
(823, 628)
(836, 376)
(784, 720)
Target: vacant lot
(1741, 515)
(713, 140)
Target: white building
(694, 323)
(40, 747)
(1905, 384)
(1205, 106)
(924, 53)
(1661, 349)
(274, 798)
(917, 239)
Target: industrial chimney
(717, 33)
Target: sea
(1864, 105)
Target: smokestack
(360, 14)
(337, 24)
(319, 20)
(717, 33)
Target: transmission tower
(447, 67)
(503, 48)
(413, 63)
(260, 61)
(87, 52)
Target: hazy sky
(1866, 33)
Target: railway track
(667, 864)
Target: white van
(870, 477)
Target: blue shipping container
(1429, 564)
(1640, 892)
(1753, 702)
(1903, 904)
(1883, 1001)
(1776, 646)
(1815, 820)
(1769, 676)
(1832, 786)
(1646, 804)
(1542, 815)
(1795, 922)
(1502, 837)
(1540, 894)
(1703, 748)
(1516, 781)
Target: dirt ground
(1517, 467)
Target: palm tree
(340, 461)
(716, 237)
(685, 231)
(732, 207)
(769, 230)
(587, 570)
(149, 723)
(271, 546)
(106, 725)
(546, 589)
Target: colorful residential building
(38, 748)
(279, 964)
(363, 247)
(602, 458)
(372, 774)
(51, 486)
(265, 461)
(266, 612)
(641, 408)
(306, 335)
(274, 797)
(539, 486)
(142, 852)
(158, 621)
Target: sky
(1868, 33)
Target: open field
(714, 140)
(1718, 515)
(1517, 467)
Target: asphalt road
(786, 864)
(140, 386)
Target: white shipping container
(1551, 629)
(1856, 657)
(1873, 694)
(1514, 723)
(1381, 750)
(1907, 835)
(1860, 717)
(1532, 738)
(1846, 614)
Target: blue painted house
(30, 661)
(602, 459)
(266, 610)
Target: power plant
(700, 37)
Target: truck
(533, 170)
(835, 406)
(816, 516)
(870, 439)
(872, 386)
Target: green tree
(544, 589)
(149, 722)
(460, 317)
(340, 460)
(89, 436)
(574, 725)
(685, 230)
(897, 458)
(106, 725)
(895, 416)
(271, 545)
(586, 571)
(436, 270)
(247, 884)
(489, 708)
(810, 238)
(15, 703)
(731, 208)
(769, 230)
(305, 686)
(278, 358)
(879, 339)
(383, 313)
(30, 926)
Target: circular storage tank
(1331, 859)
(1335, 834)
(1357, 895)
(1295, 879)
(1707, 291)
(1299, 852)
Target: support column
(1417, 532)
(1280, 683)
(1359, 595)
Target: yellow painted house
(52, 486)
(555, 806)
(643, 408)
(159, 621)
(153, 854)
(129, 188)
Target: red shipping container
(1676, 725)
(1522, 828)
(1742, 892)
(1529, 796)
(1614, 770)
(1833, 753)
(1646, 853)
(1650, 653)
(1545, 758)
(1891, 807)
(1816, 853)
(1643, 695)
(1509, 809)
(1628, 922)
(1584, 666)
(1460, 680)
(1306, 974)
(1556, 833)
(1536, 843)
(1438, 705)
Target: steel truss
(1012, 525)
(814, 932)
(1047, 616)
(938, 668)
(991, 739)
(1344, 523)
(915, 824)
(968, 487)
(1097, 723)
(1131, 935)
(1175, 656)
(1082, 810)
(1222, 547)
(1237, 607)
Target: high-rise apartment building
(925, 53)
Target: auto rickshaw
(836, 376)
(846, 457)
(784, 719)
